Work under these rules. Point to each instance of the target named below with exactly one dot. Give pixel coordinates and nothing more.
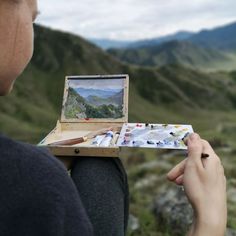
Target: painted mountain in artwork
(103, 93)
(116, 99)
(85, 103)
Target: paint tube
(97, 140)
(115, 138)
(107, 140)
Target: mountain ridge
(175, 52)
(108, 44)
(222, 38)
(85, 92)
(162, 90)
(213, 38)
(178, 36)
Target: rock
(173, 211)
(170, 154)
(230, 232)
(232, 194)
(146, 182)
(133, 223)
(155, 164)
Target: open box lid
(99, 98)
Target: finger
(180, 180)
(213, 161)
(185, 139)
(176, 171)
(195, 149)
(207, 148)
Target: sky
(134, 19)
(96, 84)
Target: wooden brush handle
(69, 141)
(74, 141)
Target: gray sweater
(37, 197)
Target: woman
(37, 196)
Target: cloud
(97, 83)
(134, 19)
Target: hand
(205, 186)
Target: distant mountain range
(220, 37)
(171, 93)
(208, 50)
(177, 52)
(97, 92)
(109, 43)
(181, 35)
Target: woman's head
(16, 39)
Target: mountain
(171, 93)
(108, 43)
(175, 84)
(207, 50)
(97, 101)
(176, 52)
(103, 93)
(181, 35)
(118, 44)
(222, 38)
(117, 98)
(74, 107)
(91, 107)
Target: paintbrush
(82, 139)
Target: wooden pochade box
(94, 121)
(90, 104)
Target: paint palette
(166, 136)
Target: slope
(179, 36)
(171, 93)
(222, 38)
(176, 52)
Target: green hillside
(74, 105)
(177, 52)
(169, 94)
(36, 101)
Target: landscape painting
(94, 98)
